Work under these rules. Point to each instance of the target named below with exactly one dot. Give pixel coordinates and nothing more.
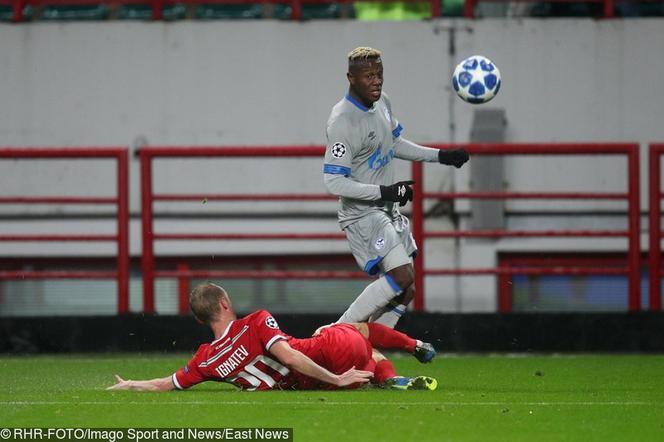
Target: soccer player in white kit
(363, 137)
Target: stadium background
(266, 82)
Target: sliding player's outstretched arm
(159, 384)
(296, 360)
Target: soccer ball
(476, 79)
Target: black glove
(456, 157)
(399, 192)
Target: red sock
(382, 336)
(384, 370)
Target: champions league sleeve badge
(338, 150)
(271, 322)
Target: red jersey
(241, 356)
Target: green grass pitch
(480, 398)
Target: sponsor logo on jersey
(338, 150)
(372, 135)
(271, 322)
(378, 160)
(380, 243)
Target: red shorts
(337, 348)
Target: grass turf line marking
(343, 403)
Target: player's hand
(121, 384)
(354, 376)
(399, 193)
(456, 157)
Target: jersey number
(254, 376)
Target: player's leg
(386, 376)
(402, 274)
(373, 241)
(383, 337)
(395, 309)
(342, 347)
(346, 345)
(372, 299)
(403, 277)
(384, 369)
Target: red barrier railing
(121, 201)
(157, 6)
(504, 273)
(183, 273)
(655, 225)
(148, 197)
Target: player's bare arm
(159, 384)
(298, 361)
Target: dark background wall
(638, 332)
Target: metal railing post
(634, 250)
(418, 233)
(147, 224)
(183, 288)
(123, 232)
(655, 227)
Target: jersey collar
(223, 335)
(357, 104)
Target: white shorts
(379, 243)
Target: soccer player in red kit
(252, 353)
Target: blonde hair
(363, 54)
(204, 302)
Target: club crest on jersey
(338, 150)
(379, 244)
(271, 322)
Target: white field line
(342, 403)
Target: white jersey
(360, 146)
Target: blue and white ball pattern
(476, 79)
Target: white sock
(389, 315)
(372, 299)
